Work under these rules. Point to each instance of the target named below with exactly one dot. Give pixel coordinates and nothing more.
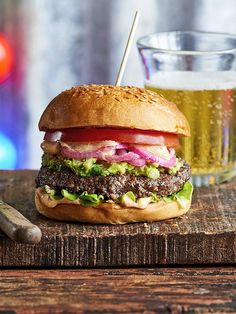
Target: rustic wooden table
(204, 236)
(133, 290)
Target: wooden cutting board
(206, 235)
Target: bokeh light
(6, 58)
(8, 156)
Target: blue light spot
(8, 156)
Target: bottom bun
(105, 213)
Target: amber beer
(209, 102)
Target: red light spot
(6, 58)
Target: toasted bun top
(113, 106)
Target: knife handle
(17, 227)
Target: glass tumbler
(197, 71)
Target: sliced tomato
(130, 136)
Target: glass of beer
(197, 71)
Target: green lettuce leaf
(90, 199)
(128, 197)
(182, 197)
(69, 196)
(53, 193)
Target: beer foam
(186, 80)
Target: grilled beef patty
(113, 186)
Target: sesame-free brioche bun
(113, 106)
(105, 213)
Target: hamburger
(109, 157)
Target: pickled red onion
(131, 157)
(100, 152)
(121, 146)
(123, 157)
(67, 151)
(121, 152)
(144, 154)
(150, 157)
(138, 162)
(168, 163)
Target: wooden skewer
(17, 227)
(127, 49)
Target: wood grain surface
(137, 290)
(206, 235)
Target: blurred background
(47, 46)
